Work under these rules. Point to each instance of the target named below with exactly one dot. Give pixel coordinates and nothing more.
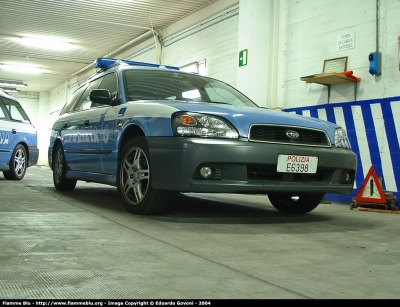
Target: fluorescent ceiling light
(46, 43)
(10, 90)
(12, 83)
(23, 69)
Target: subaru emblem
(292, 134)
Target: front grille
(278, 134)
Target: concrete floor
(84, 245)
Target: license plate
(297, 164)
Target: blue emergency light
(104, 63)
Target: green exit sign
(243, 57)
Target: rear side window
(69, 106)
(14, 110)
(84, 102)
(80, 100)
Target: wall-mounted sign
(243, 57)
(345, 41)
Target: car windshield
(175, 85)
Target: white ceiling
(96, 27)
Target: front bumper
(245, 167)
(33, 155)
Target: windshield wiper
(219, 102)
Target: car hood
(243, 117)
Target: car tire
(59, 170)
(134, 181)
(295, 203)
(17, 164)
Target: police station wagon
(153, 131)
(18, 139)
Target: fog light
(206, 172)
(345, 177)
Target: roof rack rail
(105, 63)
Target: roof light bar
(104, 63)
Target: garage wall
(37, 110)
(214, 40)
(30, 106)
(312, 33)
(217, 44)
(146, 55)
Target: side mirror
(102, 96)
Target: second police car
(155, 131)
(18, 139)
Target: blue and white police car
(153, 131)
(18, 139)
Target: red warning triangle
(371, 190)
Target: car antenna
(155, 42)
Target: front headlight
(341, 139)
(202, 125)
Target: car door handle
(13, 131)
(86, 123)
